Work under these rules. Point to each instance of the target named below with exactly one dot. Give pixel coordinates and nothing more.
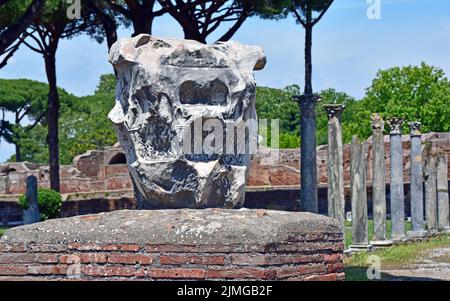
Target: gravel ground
(431, 265)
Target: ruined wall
(93, 171)
(274, 198)
(118, 262)
(287, 170)
(106, 170)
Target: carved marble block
(179, 104)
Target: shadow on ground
(360, 274)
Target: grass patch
(395, 257)
(2, 230)
(348, 230)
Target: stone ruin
(95, 170)
(166, 87)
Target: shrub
(49, 201)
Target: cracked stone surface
(178, 226)
(164, 88)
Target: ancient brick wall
(210, 244)
(275, 198)
(106, 171)
(307, 261)
(286, 171)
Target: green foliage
(49, 202)
(33, 145)
(11, 11)
(279, 104)
(107, 85)
(2, 230)
(87, 127)
(395, 257)
(83, 125)
(23, 94)
(331, 96)
(279, 9)
(54, 11)
(289, 140)
(419, 93)
(416, 93)
(26, 100)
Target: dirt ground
(430, 265)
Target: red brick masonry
(300, 261)
(209, 244)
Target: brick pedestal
(211, 244)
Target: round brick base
(216, 244)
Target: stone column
(31, 214)
(379, 182)
(336, 203)
(308, 156)
(397, 191)
(430, 191)
(359, 196)
(442, 192)
(418, 223)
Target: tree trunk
(308, 156)
(108, 23)
(308, 58)
(18, 154)
(192, 34)
(8, 36)
(52, 116)
(110, 29)
(229, 34)
(17, 139)
(142, 25)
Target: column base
(381, 243)
(417, 233)
(399, 238)
(360, 248)
(445, 230)
(432, 232)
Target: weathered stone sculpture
(167, 93)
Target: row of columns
(428, 177)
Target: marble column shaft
(308, 156)
(442, 191)
(396, 188)
(378, 178)
(336, 202)
(430, 172)
(417, 217)
(31, 214)
(359, 193)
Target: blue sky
(348, 48)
